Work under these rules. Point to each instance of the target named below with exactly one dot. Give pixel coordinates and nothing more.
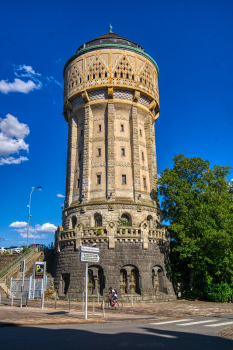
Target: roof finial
(110, 28)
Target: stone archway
(129, 280)
(96, 281)
(158, 282)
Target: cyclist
(112, 295)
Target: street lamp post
(39, 187)
(34, 229)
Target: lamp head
(39, 187)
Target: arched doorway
(123, 280)
(98, 220)
(157, 279)
(129, 279)
(73, 221)
(96, 280)
(126, 220)
(91, 282)
(150, 221)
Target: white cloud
(19, 85)
(12, 134)
(48, 228)
(39, 231)
(18, 224)
(60, 195)
(11, 127)
(25, 71)
(58, 61)
(12, 160)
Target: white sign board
(88, 257)
(88, 249)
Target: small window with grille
(99, 152)
(123, 181)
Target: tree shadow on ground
(106, 336)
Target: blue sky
(191, 41)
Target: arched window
(127, 219)
(150, 220)
(74, 221)
(98, 220)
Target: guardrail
(15, 262)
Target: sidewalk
(33, 315)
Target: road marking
(165, 335)
(197, 322)
(218, 324)
(187, 319)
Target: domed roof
(110, 38)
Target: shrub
(220, 292)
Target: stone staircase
(13, 270)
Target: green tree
(198, 204)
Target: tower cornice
(110, 46)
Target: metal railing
(14, 262)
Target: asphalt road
(195, 333)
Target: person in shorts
(112, 295)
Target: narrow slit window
(123, 179)
(72, 84)
(98, 180)
(140, 80)
(99, 152)
(99, 127)
(127, 76)
(115, 74)
(132, 77)
(122, 127)
(106, 74)
(99, 75)
(122, 152)
(143, 156)
(78, 183)
(121, 74)
(93, 76)
(140, 131)
(88, 77)
(144, 182)
(80, 80)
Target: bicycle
(109, 303)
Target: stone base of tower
(128, 267)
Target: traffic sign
(88, 257)
(88, 249)
(39, 269)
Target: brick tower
(111, 103)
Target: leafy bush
(99, 232)
(220, 292)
